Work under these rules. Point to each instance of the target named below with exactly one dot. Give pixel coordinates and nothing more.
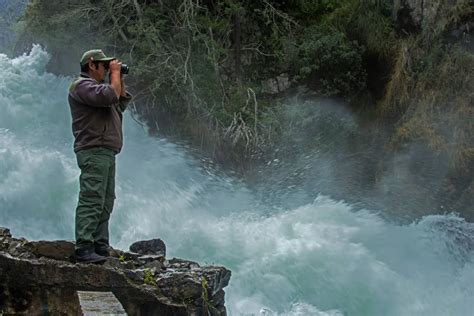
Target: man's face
(98, 70)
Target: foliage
(439, 103)
(148, 277)
(204, 285)
(429, 100)
(197, 66)
(329, 59)
(205, 295)
(370, 23)
(430, 89)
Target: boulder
(149, 247)
(176, 263)
(202, 286)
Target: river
(319, 258)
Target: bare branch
(259, 51)
(282, 15)
(251, 94)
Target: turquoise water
(322, 258)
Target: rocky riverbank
(38, 277)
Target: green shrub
(326, 59)
(149, 278)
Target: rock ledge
(40, 277)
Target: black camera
(124, 69)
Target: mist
(325, 148)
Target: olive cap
(94, 55)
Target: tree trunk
(237, 32)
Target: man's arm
(115, 76)
(97, 94)
(93, 93)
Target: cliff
(38, 277)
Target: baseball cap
(94, 55)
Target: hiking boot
(88, 256)
(102, 251)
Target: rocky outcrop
(412, 16)
(276, 85)
(413, 13)
(38, 277)
(11, 10)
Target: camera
(124, 69)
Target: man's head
(95, 63)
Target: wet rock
(5, 232)
(150, 258)
(124, 255)
(201, 285)
(157, 265)
(176, 263)
(140, 273)
(116, 263)
(38, 275)
(4, 243)
(149, 247)
(59, 249)
(134, 275)
(16, 247)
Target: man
(96, 109)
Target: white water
(319, 259)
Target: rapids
(319, 258)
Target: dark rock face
(407, 21)
(419, 12)
(39, 277)
(149, 247)
(412, 16)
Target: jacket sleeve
(92, 93)
(123, 102)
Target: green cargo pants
(96, 197)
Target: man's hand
(115, 80)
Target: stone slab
(99, 303)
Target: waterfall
(320, 258)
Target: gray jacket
(96, 114)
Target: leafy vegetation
(198, 66)
(216, 72)
(148, 277)
(429, 99)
